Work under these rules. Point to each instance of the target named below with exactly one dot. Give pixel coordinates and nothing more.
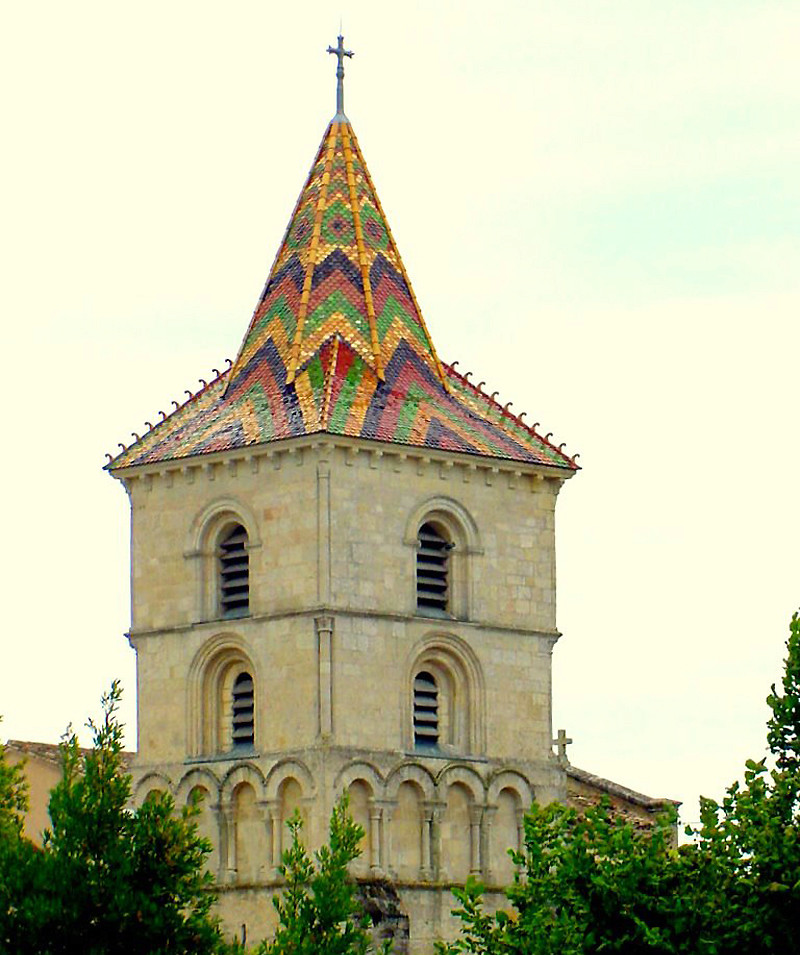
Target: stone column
(324, 532)
(426, 839)
(520, 830)
(222, 841)
(267, 865)
(226, 819)
(375, 813)
(276, 831)
(386, 861)
(489, 813)
(475, 816)
(324, 628)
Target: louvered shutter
(426, 710)
(432, 569)
(243, 710)
(234, 573)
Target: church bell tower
(343, 579)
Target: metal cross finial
(341, 53)
(562, 741)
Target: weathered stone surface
(333, 640)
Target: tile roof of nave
(338, 345)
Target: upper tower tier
(338, 344)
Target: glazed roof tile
(338, 344)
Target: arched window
(426, 710)
(445, 542)
(225, 698)
(223, 546)
(442, 706)
(234, 572)
(433, 559)
(243, 724)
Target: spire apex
(340, 53)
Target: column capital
(435, 805)
(324, 623)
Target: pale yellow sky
(597, 204)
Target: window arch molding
(242, 773)
(512, 780)
(151, 782)
(454, 524)
(210, 684)
(459, 677)
(208, 529)
(358, 769)
(289, 768)
(464, 776)
(197, 778)
(408, 772)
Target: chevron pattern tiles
(338, 344)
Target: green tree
(748, 845)
(586, 882)
(13, 798)
(590, 883)
(783, 728)
(110, 879)
(318, 912)
(18, 857)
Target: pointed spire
(338, 272)
(338, 344)
(340, 54)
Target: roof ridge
(171, 417)
(505, 414)
(49, 751)
(326, 405)
(308, 274)
(617, 789)
(362, 258)
(368, 177)
(282, 243)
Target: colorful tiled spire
(338, 343)
(338, 272)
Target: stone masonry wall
(333, 641)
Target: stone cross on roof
(562, 741)
(341, 53)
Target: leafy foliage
(585, 883)
(318, 911)
(749, 844)
(783, 728)
(17, 854)
(111, 880)
(590, 884)
(13, 798)
(117, 881)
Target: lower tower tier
(429, 821)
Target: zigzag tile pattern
(338, 344)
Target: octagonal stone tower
(343, 579)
